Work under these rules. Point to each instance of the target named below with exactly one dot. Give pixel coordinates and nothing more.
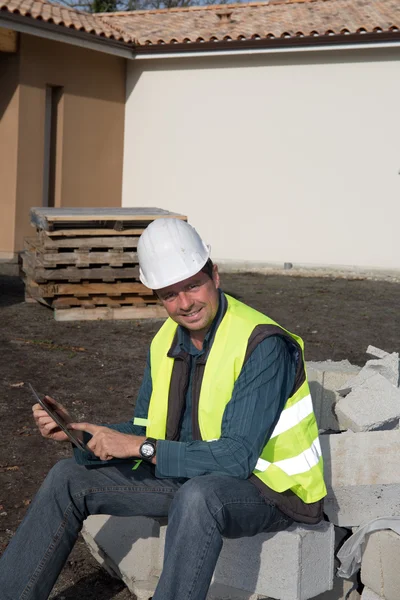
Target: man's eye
(169, 297)
(193, 286)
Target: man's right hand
(47, 427)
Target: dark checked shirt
(260, 392)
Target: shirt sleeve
(141, 410)
(259, 395)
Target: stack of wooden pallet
(83, 263)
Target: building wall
(90, 134)
(278, 158)
(9, 108)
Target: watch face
(147, 450)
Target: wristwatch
(148, 449)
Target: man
(224, 440)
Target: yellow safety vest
(291, 459)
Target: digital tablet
(60, 421)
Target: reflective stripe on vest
(291, 458)
(298, 464)
(292, 415)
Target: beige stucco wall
(278, 158)
(89, 161)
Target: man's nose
(185, 301)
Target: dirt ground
(95, 369)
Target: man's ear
(215, 276)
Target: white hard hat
(169, 251)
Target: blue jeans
(201, 511)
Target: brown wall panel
(90, 127)
(9, 102)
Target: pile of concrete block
(362, 468)
(357, 411)
(371, 399)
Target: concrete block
(324, 379)
(376, 352)
(368, 594)
(127, 547)
(225, 592)
(143, 590)
(295, 564)
(362, 474)
(380, 566)
(343, 589)
(373, 405)
(388, 367)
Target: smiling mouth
(192, 314)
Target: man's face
(192, 303)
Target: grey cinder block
(368, 594)
(127, 547)
(343, 589)
(324, 379)
(388, 367)
(226, 592)
(380, 567)
(295, 564)
(372, 405)
(376, 352)
(362, 473)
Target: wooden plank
(119, 218)
(109, 313)
(42, 217)
(87, 243)
(8, 40)
(67, 233)
(49, 290)
(92, 301)
(80, 258)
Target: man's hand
(47, 427)
(107, 443)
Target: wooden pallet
(83, 263)
(85, 289)
(50, 219)
(75, 274)
(62, 233)
(93, 301)
(108, 313)
(80, 256)
(83, 241)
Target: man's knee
(198, 494)
(61, 475)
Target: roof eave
(372, 39)
(68, 35)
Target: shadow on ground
(102, 586)
(11, 290)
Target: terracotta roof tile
(275, 19)
(64, 16)
(271, 20)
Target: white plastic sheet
(350, 553)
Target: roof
(42, 10)
(253, 21)
(269, 23)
